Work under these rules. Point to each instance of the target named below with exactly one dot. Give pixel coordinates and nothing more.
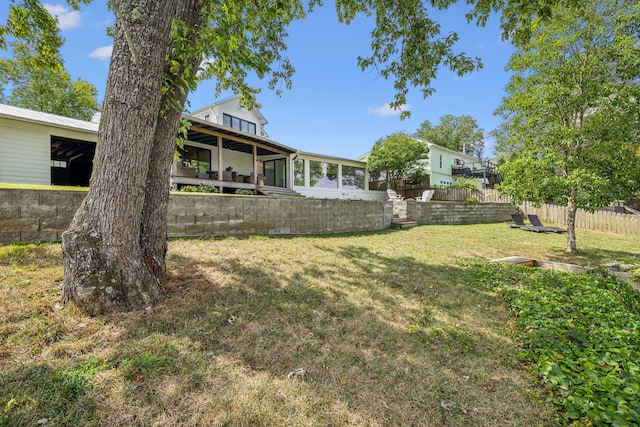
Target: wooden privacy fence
(484, 195)
(599, 220)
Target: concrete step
(403, 223)
(277, 191)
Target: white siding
(233, 108)
(25, 150)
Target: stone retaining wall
(458, 212)
(43, 215)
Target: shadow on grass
(594, 257)
(382, 339)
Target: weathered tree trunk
(572, 248)
(104, 267)
(154, 217)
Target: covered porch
(228, 159)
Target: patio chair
(535, 221)
(426, 196)
(519, 223)
(394, 196)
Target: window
(440, 161)
(199, 158)
(298, 172)
(323, 174)
(58, 164)
(352, 178)
(239, 124)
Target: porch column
(255, 165)
(220, 168)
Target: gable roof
(236, 98)
(31, 116)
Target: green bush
(465, 183)
(582, 333)
(244, 192)
(199, 189)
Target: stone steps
(277, 191)
(397, 222)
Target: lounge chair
(519, 223)
(535, 221)
(394, 196)
(426, 196)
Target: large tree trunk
(572, 248)
(104, 267)
(154, 217)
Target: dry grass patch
(388, 327)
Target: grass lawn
(390, 328)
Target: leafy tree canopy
(459, 133)
(572, 108)
(35, 77)
(399, 156)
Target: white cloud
(67, 17)
(385, 110)
(103, 52)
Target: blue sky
(334, 108)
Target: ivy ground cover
(581, 334)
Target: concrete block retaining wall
(458, 212)
(43, 215)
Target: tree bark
(104, 267)
(154, 218)
(572, 248)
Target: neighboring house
(41, 148)
(445, 165)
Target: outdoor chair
(426, 196)
(519, 223)
(394, 196)
(535, 221)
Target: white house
(41, 148)
(225, 147)
(230, 113)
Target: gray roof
(46, 118)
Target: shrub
(244, 192)
(465, 183)
(199, 189)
